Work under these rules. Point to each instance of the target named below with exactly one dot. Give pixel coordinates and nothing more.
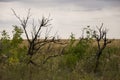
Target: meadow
(76, 63)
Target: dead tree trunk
(102, 41)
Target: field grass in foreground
(77, 63)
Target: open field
(76, 63)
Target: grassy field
(74, 63)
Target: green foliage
(17, 39)
(77, 63)
(12, 48)
(5, 43)
(72, 39)
(5, 35)
(81, 48)
(88, 32)
(75, 52)
(18, 51)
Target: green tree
(17, 39)
(13, 48)
(18, 50)
(75, 51)
(4, 46)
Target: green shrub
(75, 52)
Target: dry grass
(54, 69)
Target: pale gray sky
(68, 15)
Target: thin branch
(49, 58)
(23, 22)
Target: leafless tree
(35, 44)
(102, 41)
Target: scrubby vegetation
(92, 57)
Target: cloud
(7, 0)
(89, 4)
(68, 15)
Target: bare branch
(35, 44)
(16, 15)
(23, 22)
(49, 58)
(100, 36)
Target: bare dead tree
(102, 41)
(35, 44)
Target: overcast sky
(68, 15)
